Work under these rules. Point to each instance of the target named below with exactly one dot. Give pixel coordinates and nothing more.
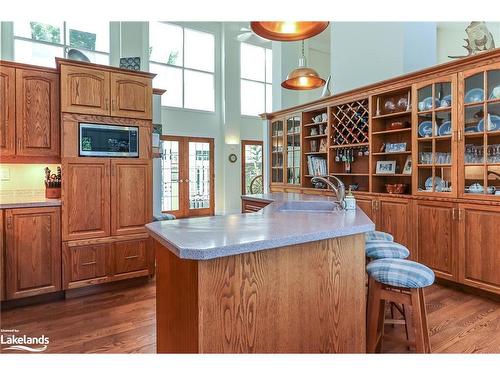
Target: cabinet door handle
(132, 257)
(459, 135)
(460, 214)
(112, 170)
(453, 214)
(87, 263)
(113, 104)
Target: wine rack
(350, 123)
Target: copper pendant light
(303, 78)
(287, 31)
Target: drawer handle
(132, 257)
(88, 263)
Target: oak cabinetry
(2, 258)
(131, 195)
(367, 206)
(250, 205)
(436, 242)
(479, 245)
(84, 90)
(29, 113)
(131, 96)
(101, 90)
(394, 216)
(33, 251)
(86, 198)
(37, 113)
(132, 257)
(7, 111)
(85, 262)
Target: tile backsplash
(23, 180)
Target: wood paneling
(86, 262)
(33, 251)
(131, 96)
(394, 217)
(308, 298)
(7, 111)
(436, 237)
(479, 247)
(85, 90)
(37, 113)
(86, 198)
(131, 195)
(2, 258)
(130, 256)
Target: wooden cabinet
(97, 90)
(366, 204)
(7, 111)
(435, 231)
(33, 251)
(479, 245)
(250, 205)
(131, 96)
(85, 90)
(90, 262)
(37, 113)
(86, 198)
(393, 215)
(2, 259)
(29, 114)
(131, 195)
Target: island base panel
(307, 298)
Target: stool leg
(420, 320)
(409, 326)
(375, 321)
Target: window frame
(265, 82)
(63, 45)
(183, 68)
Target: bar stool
(400, 281)
(377, 235)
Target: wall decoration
(386, 167)
(479, 39)
(232, 158)
(130, 63)
(395, 147)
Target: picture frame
(386, 167)
(323, 146)
(408, 166)
(395, 147)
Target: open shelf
(391, 115)
(391, 153)
(390, 131)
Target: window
(256, 79)
(39, 43)
(184, 61)
(252, 167)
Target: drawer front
(253, 206)
(87, 262)
(130, 256)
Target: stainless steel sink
(310, 206)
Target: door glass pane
(494, 84)
(253, 169)
(170, 176)
(474, 89)
(199, 175)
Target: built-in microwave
(109, 140)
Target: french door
(187, 166)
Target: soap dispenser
(350, 201)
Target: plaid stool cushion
(401, 273)
(385, 249)
(378, 236)
(161, 217)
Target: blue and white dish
(444, 128)
(425, 129)
(445, 102)
(476, 188)
(495, 93)
(426, 104)
(480, 126)
(474, 95)
(493, 123)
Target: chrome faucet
(339, 190)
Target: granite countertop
(220, 236)
(27, 202)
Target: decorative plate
(426, 104)
(444, 128)
(495, 93)
(476, 188)
(425, 129)
(474, 95)
(494, 123)
(438, 184)
(480, 126)
(445, 102)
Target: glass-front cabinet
(480, 132)
(293, 150)
(277, 151)
(434, 137)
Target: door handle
(132, 257)
(453, 214)
(113, 104)
(106, 104)
(460, 214)
(87, 263)
(9, 222)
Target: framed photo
(395, 147)
(407, 167)
(386, 167)
(323, 145)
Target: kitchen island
(287, 279)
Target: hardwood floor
(124, 322)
